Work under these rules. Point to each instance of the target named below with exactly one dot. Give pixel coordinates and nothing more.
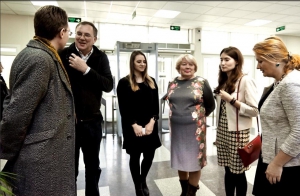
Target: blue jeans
(88, 138)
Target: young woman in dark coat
(139, 109)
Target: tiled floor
(162, 180)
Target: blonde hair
(274, 50)
(190, 58)
(146, 78)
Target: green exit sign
(175, 28)
(72, 19)
(280, 28)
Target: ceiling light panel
(43, 3)
(166, 14)
(257, 23)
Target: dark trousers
(235, 182)
(139, 173)
(88, 138)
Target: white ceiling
(210, 15)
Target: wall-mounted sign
(72, 19)
(175, 28)
(280, 28)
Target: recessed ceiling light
(166, 14)
(258, 23)
(43, 3)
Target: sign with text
(280, 28)
(72, 19)
(175, 28)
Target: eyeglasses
(85, 35)
(68, 30)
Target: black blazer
(87, 89)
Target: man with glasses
(90, 75)
(37, 133)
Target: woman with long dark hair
(139, 109)
(230, 74)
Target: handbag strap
(237, 112)
(237, 116)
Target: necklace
(277, 82)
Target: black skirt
(288, 185)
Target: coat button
(69, 116)
(69, 137)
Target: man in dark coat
(90, 75)
(3, 89)
(37, 134)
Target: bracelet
(232, 101)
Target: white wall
(16, 31)
(292, 43)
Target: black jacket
(87, 89)
(4, 92)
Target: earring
(277, 64)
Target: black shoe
(145, 189)
(139, 190)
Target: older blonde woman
(191, 100)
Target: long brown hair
(228, 84)
(146, 78)
(274, 50)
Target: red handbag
(250, 152)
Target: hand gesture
(137, 130)
(225, 96)
(77, 63)
(273, 173)
(149, 127)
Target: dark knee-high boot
(184, 187)
(192, 190)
